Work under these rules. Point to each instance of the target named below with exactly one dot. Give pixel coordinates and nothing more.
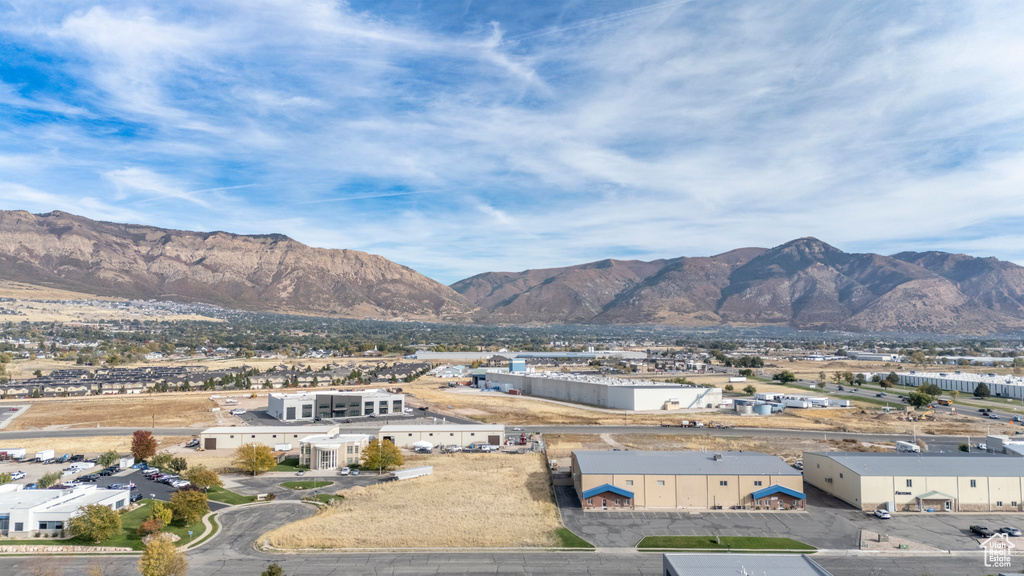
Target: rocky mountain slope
(804, 283)
(270, 272)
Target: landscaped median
(218, 494)
(306, 484)
(727, 543)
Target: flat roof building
(332, 451)
(618, 394)
(231, 437)
(334, 404)
(25, 512)
(955, 482)
(999, 385)
(405, 435)
(740, 565)
(638, 479)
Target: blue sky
(463, 137)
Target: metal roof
(606, 488)
(682, 463)
(915, 464)
(442, 428)
(775, 489)
(271, 430)
(737, 564)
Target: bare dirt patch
(142, 411)
(471, 500)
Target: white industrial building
(232, 437)
(405, 435)
(999, 385)
(332, 451)
(605, 392)
(327, 404)
(26, 512)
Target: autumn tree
(203, 477)
(274, 569)
(95, 522)
(161, 512)
(6, 478)
(254, 458)
(143, 445)
(382, 456)
(189, 505)
(162, 558)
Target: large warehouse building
(234, 436)
(608, 392)
(957, 482)
(695, 480)
(320, 405)
(999, 385)
(405, 435)
(27, 512)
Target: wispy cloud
(463, 139)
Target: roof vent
(718, 456)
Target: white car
(983, 446)
(883, 514)
(18, 475)
(345, 471)
(517, 429)
(237, 412)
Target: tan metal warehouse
(232, 437)
(957, 482)
(404, 436)
(701, 480)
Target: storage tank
(763, 409)
(744, 409)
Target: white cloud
(135, 180)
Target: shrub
(150, 527)
(161, 512)
(729, 387)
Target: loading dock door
(290, 411)
(494, 440)
(210, 443)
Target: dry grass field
(92, 445)
(143, 411)
(471, 500)
(57, 312)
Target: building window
(451, 433)
(274, 436)
(252, 435)
(757, 482)
(661, 482)
(348, 449)
(629, 482)
(232, 436)
(910, 483)
(999, 503)
(723, 482)
(1014, 504)
(410, 435)
(974, 483)
(840, 474)
(590, 501)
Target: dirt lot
(144, 411)
(477, 500)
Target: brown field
(92, 445)
(143, 411)
(471, 500)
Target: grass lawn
(570, 540)
(228, 497)
(306, 484)
(288, 465)
(727, 542)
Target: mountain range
(804, 283)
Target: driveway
(271, 482)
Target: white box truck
(44, 455)
(282, 447)
(12, 453)
(902, 446)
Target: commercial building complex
(958, 482)
(741, 565)
(234, 436)
(25, 512)
(331, 451)
(320, 405)
(695, 480)
(999, 385)
(404, 436)
(605, 392)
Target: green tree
(382, 456)
(143, 445)
(273, 570)
(954, 394)
(965, 448)
(108, 458)
(785, 376)
(885, 384)
(95, 522)
(6, 478)
(982, 391)
(48, 479)
(203, 477)
(729, 388)
(750, 390)
(254, 458)
(747, 372)
(178, 464)
(919, 399)
(929, 389)
(893, 379)
(162, 460)
(162, 558)
(162, 512)
(822, 377)
(189, 505)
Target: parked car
(106, 472)
(192, 443)
(89, 478)
(799, 465)
(32, 486)
(300, 473)
(237, 412)
(135, 497)
(345, 471)
(355, 472)
(984, 409)
(982, 531)
(883, 514)
(1010, 531)
(881, 394)
(17, 475)
(517, 429)
(77, 458)
(982, 446)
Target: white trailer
(818, 402)
(12, 453)
(902, 446)
(282, 447)
(795, 403)
(79, 466)
(44, 455)
(735, 379)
